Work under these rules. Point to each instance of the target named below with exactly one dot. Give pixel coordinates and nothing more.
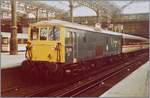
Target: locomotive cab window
(54, 33)
(34, 33)
(43, 33)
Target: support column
(36, 14)
(47, 12)
(13, 39)
(71, 10)
(98, 16)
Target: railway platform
(9, 61)
(134, 85)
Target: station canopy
(42, 9)
(57, 8)
(87, 7)
(31, 8)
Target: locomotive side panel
(113, 45)
(98, 45)
(82, 45)
(91, 45)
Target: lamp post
(13, 39)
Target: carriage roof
(127, 36)
(84, 27)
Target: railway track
(76, 83)
(24, 91)
(99, 80)
(73, 87)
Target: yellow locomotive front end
(46, 42)
(45, 51)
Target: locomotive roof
(73, 25)
(84, 27)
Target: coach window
(19, 41)
(4, 40)
(34, 33)
(25, 41)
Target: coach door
(70, 47)
(75, 47)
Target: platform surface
(135, 85)
(9, 61)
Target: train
(5, 41)
(54, 44)
(133, 43)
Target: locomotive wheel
(34, 71)
(87, 66)
(110, 61)
(48, 71)
(42, 71)
(59, 73)
(120, 56)
(83, 66)
(39, 70)
(28, 69)
(92, 65)
(25, 65)
(116, 59)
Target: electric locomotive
(55, 43)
